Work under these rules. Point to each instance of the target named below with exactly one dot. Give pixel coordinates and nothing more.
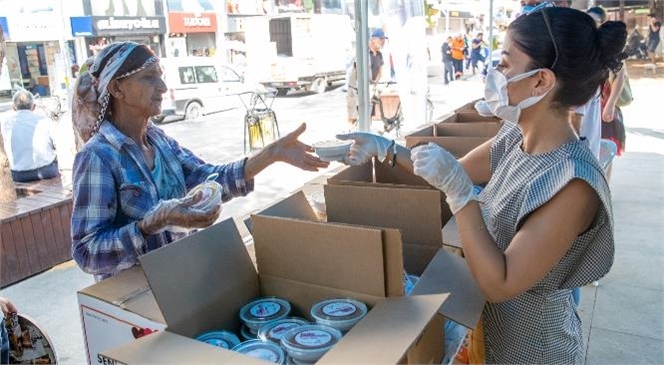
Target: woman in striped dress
(543, 224)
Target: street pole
(490, 33)
(622, 10)
(362, 63)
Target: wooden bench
(35, 232)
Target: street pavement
(622, 317)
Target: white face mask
(497, 99)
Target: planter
(35, 230)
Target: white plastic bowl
(310, 342)
(332, 150)
(264, 310)
(263, 350)
(211, 195)
(339, 313)
(222, 339)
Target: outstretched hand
(7, 306)
(292, 151)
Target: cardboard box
(451, 238)
(457, 138)
(116, 311)
(202, 281)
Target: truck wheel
(319, 85)
(282, 92)
(193, 111)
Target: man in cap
(376, 62)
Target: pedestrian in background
(376, 62)
(654, 26)
(448, 61)
(458, 46)
(29, 139)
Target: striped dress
(541, 326)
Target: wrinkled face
(140, 93)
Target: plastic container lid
(223, 339)
(275, 330)
(262, 311)
(339, 313)
(263, 350)
(246, 333)
(310, 342)
(333, 150)
(211, 191)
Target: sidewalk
(622, 317)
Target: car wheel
(193, 111)
(319, 85)
(282, 92)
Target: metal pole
(490, 34)
(362, 63)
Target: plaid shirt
(114, 189)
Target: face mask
(497, 99)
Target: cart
(260, 122)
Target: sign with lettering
(34, 27)
(119, 25)
(181, 22)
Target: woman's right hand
(178, 212)
(7, 306)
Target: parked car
(198, 86)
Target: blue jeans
(4, 344)
(45, 172)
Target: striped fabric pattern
(541, 326)
(114, 188)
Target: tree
(7, 190)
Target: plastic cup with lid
(275, 330)
(339, 313)
(222, 339)
(264, 310)
(264, 350)
(307, 344)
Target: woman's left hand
(290, 150)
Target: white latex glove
(178, 215)
(442, 170)
(365, 146)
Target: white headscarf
(107, 64)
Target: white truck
(295, 51)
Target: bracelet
(393, 162)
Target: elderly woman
(130, 179)
(543, 224)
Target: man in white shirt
(587, 122)
(29, 141)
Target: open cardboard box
(117, 311)
(458, 138)
(202, 281)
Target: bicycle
(395, 120)
(260, 121)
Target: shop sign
(181, 22)
(117, 25)
(34, 28)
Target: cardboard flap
(387, 332)
(451, 234)
(449, 273)
(189, 279)
(478, 129)
(397, 175)
(294, 206)
(170, 348)
(333, 255)
(128, 290)
(457, 146)
(353, 173)
(416, 212)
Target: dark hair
(600, 12)
(585, 53)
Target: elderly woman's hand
(179, 213)
(290, 150)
